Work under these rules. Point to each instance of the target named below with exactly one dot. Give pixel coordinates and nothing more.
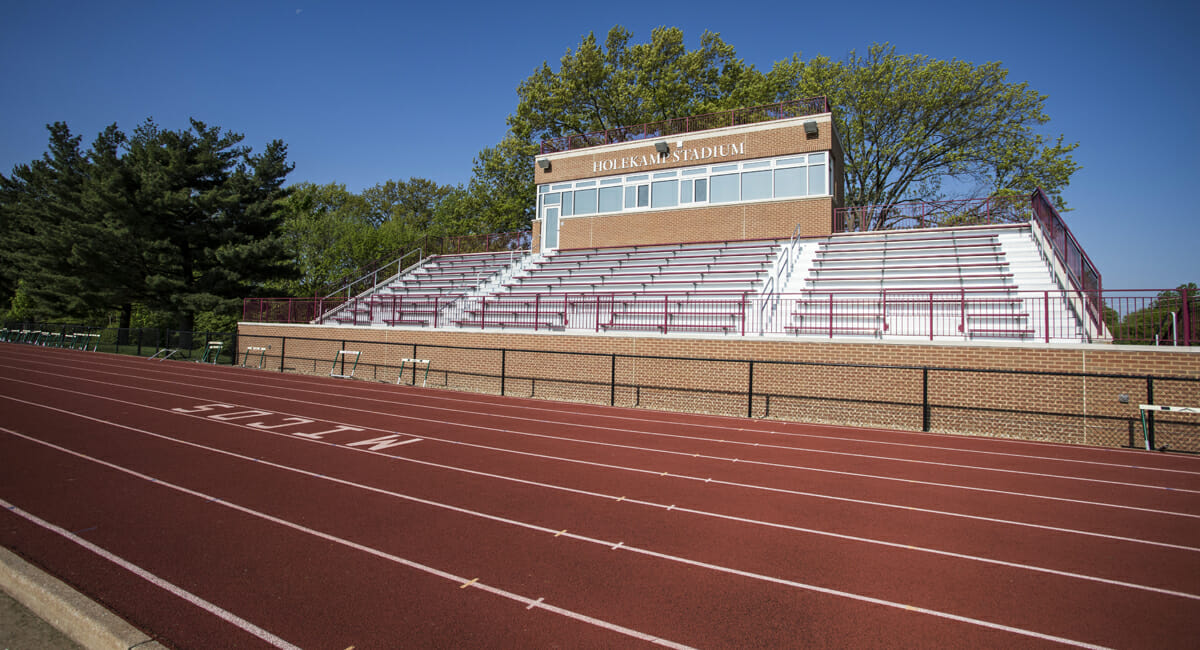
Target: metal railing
(368, 276)
(1131, 317)
(675, 126)
(1079, 268)
(932, 214)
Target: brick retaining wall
(1060, 408)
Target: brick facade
(1005, 403)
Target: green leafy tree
(329, 235)
(910, 123)
(598, 87)
(41, 204)
(413, 201)
(912, 127)
(212, 239)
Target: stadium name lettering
(680, 154)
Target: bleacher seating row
(958, 282)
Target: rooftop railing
(678, 125)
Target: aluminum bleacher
(973, 282)
(671, 287)
(966, 283)
(418, 296)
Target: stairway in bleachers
(418, 296)
(974, 283)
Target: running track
(226, 507)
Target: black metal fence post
(1150, 414)
(503, 363)
(282, 351)
(750, 393)
(925, 399)
(612, 382)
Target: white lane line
(655, 554)
(287, 382)
(225, 615)
(572, 424)
(670, 453)
(461, 581)
(994, 520)
(745, 520)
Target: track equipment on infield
(166, 352)
(341, 356)
(83, 339)
(1146, 434)
(415, 363)
(262, 355)
(212, 352)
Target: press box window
(610, 199)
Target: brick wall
(1061, 408)
(764, 220)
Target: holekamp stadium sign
(679, 154)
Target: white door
(549, 228)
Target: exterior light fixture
(662, 147)
(544, 164)
(810, 128)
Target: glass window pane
(724, 188)
(701, 189)
(586, 184)
(665, 194)
(792, 181)
(630, 197)
(756, 165)
(756, 185)
(542, 189)
(724, 168)
(790, 161)
(816, 180)
(568, 204)
(610, 181)
(685, 192)
(643, 196)
(564, 186)
(693, 172)
(816, 158)
(639, 177)
(665, 175)
(610, 199)
(552, 199)
(585, 201)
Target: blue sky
(364, 92)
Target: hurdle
(1146, 434)
(166, 352)
(262, 355)
(415, 363)
(341, 355)
(212, 353)
(83, 340)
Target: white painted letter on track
(202, 408)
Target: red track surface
(215, 506)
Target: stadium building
(708, 263)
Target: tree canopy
(912, 127)
(182, 221)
